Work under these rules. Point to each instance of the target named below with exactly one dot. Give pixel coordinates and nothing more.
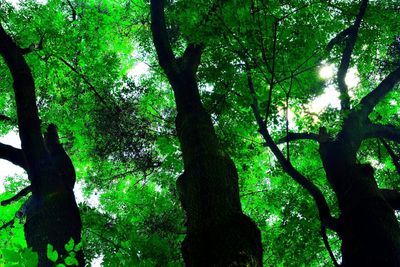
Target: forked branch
(392, 196)
(18, 196)
(352, 34)
(24, 89)
(388, 131)
(324, 211)
(369, 101)
(13, 155)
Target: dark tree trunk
(218, 233)
(52, 215)
(55, 221)
(368, 226)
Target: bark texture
(53, 220)
(218, 233)
(52, 215)
(367, 224)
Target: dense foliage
(98, 79)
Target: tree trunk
(219, 234)
(368, 226)
(54, 219)
(52, 216)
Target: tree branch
(369, 101)
(191, 57)
(388, 131)
(72, 9)
(17, 197)
(91, 86)
(392, 196)
(7, 224)
(161, 42)
(24, 89)
(324, 211)
(340, 37)
(13, 155)
(7, 119)
(352, 34)
(394, 157)
(298, 136)
(328, 247)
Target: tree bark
(367, 224)
(52, 215)
(218, 233)
(54, 219)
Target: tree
(218, 232)
(367, 225)
(243, 60)
(52, 215)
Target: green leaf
(30, 258)
(71, 261)
(70, 245)
(11, 255)
(78, 246)
(51, 253)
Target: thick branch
(7, 119)
(389, 132)
(392, 196)
(24, 88)
(191, 57)
(346, 57)
(339, 38)
(322, 205)
(13, 155)
(17, 197)
(161, 42)
(328, 247)
(298, 136)
(8, 224)
(369, 102)
(393, 156)
(323, 208)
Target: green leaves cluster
(119, 130)
(70, 259)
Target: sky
(330, 97)
(8, 169)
